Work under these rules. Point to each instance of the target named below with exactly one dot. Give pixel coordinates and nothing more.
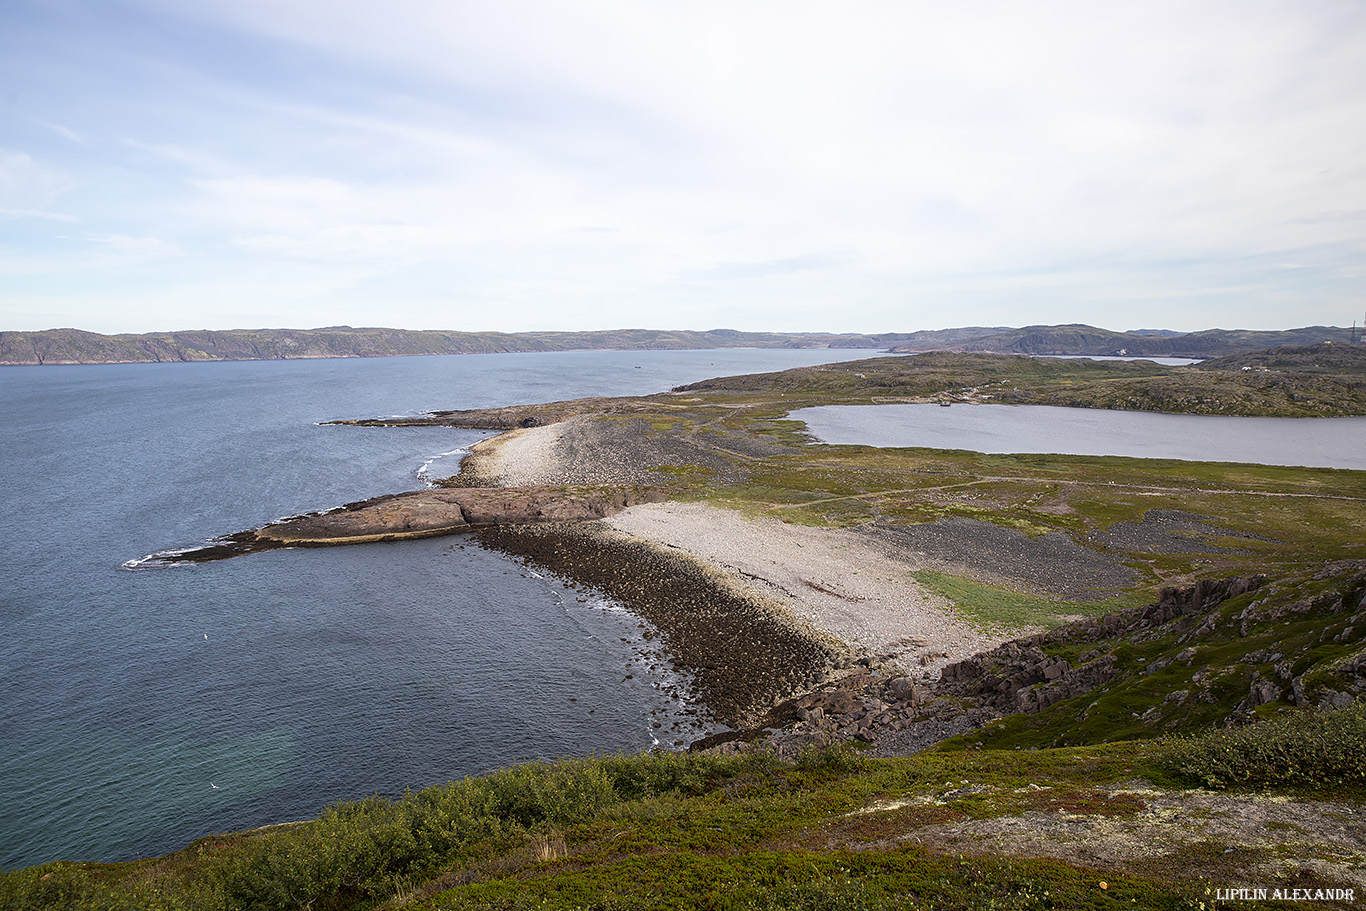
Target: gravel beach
(756, 608)
(832, 578)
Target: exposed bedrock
(427, 513)
(443, 511)
(1019, 677)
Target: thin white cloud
(27, 185)
(869, 166)
(37, 213)
(125, 248)
(65, 132)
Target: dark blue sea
(142, 708)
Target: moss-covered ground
(833, 830)
(1298, 637)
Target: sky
(520, 165)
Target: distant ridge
(1082, 340)
(76, 346)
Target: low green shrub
(837, 759)
(81, 887)
(1319, 748)
(370, 848)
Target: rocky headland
(1184, 662)
(425, 514)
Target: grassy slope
(678, 831)
(1119, 385)
(1082, 339)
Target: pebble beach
(786, 608)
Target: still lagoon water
(1310, 442)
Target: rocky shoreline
(743, 651)
(758, 611)
(425, 514)
(794, 636)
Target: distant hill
(75, 346)
(1082, 340)
(1327, 357)
(1165, 333)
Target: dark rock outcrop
(1145, 665)
(1019, 676)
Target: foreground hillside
(1085, 827)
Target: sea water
(145, 707)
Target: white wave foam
(424, 473)
(162, 559)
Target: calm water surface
(143, 708)
(1312, 442)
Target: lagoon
(1309, 442)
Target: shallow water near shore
(146, 707)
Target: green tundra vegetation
(832, 830)
(1172, 803)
